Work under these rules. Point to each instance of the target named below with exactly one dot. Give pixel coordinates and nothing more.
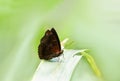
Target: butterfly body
(49, 45)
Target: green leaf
(92, 63)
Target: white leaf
(58, 70)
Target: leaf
(92, 63)
(58, 70)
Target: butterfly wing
(50, 45)
(56, 40)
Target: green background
(92, 24)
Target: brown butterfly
(49, 45)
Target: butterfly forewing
(56, 38)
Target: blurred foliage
(92, 24)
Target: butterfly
(49, 46)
